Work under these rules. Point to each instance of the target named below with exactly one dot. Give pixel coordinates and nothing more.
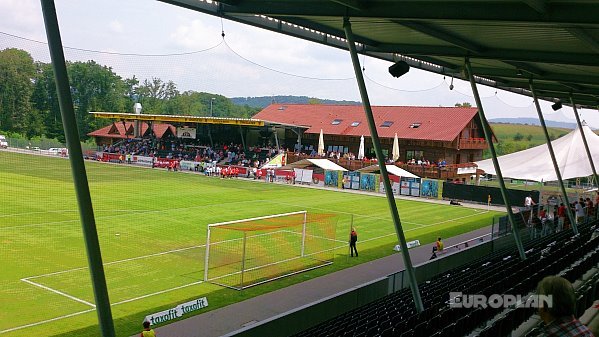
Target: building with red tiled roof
(433, 133)
(116, 131)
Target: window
(414, 155)
(415, 125)
(282, 107)
(336, 121)
(386, 124)
(356, 123)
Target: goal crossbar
(254, 219)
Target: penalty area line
(58, 292)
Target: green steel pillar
(86, 211)
(553, 160)
(381, 161)
(489, 139)
(586, 144)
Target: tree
(154, 93)
(17, 71)
(44, 99)
(463, 105)
(518, 137)
(96, 88)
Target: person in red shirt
(561, 216)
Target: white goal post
(243, 253)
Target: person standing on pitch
(147, 331)
(353, 238)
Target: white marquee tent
(535, 163)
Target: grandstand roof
(117, 130)
(409, 122)
(555, 43)
(177, 119)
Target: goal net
(244, 253)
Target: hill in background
(533, 121)
(264, 101)
(518, 137)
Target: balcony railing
(473, 144)
(424, 171)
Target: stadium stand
(500, 273)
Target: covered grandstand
(543, 49)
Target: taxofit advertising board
(176, 312)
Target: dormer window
(282, 107)
(336, 121)
(354, 124)
(415, 125)
(386, 124)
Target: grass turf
(160, 218)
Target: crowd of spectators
(175, 148)
(548, 219)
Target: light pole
(211, 101)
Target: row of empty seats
(498, 273)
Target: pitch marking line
(45, 321)
(167, 290)
(58, 292)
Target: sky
(248, 61)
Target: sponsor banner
(185, 132)
(187, 165)
(430, 188)
(163, 162)
(410, 244)
(112, 157)
(467, 170)
(277, 161)
(142, 161)
(303, 176)
(176, 312)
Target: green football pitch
(152, 229)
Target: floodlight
(556, 106)
(399, 69)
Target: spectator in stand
(558, 316)
(528, 202)
(579, 209)
(589, 208)
(561, 217)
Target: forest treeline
(29, 105)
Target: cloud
(195, 35)
(22, 17)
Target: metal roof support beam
(86, 210)
(439, 34)
(553, 160)
(582, 59)
(376, 142)
(585, 37)
(538, 5)
(584, 140)
(489, 139)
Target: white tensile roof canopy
(391, 169)
(535, 163)
(321, 163)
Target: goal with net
(248, 252)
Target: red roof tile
(436, 123)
